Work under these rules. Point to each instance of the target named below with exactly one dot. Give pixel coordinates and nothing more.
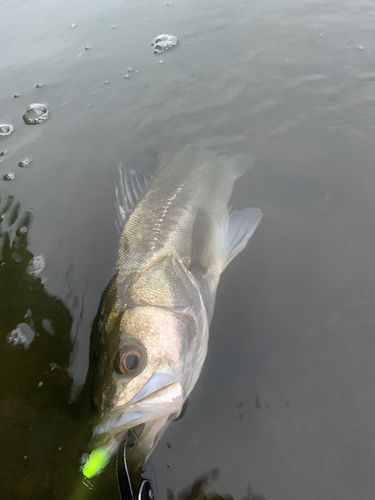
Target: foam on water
(164, 42)
(6, 129)
(36, 113)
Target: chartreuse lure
(96, 462)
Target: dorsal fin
(130, 186)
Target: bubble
(113, 27)
(36, 265)
(130, 70)
(16, 96)
(6, 129)
(163, 43)
(21, 335)
(39, 85)
(9, 176)
(169, 4)
(35, 113)
(2, 153)
(87, 47)
(89, 105)
(47, 325)
(16, 257)
(126, 76)
(40, 384)
(73, 25)
(25, 162)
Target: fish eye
(128, 361)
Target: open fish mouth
(158, 405)
(146, 415)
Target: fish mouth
(148, 411)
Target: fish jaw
(153, 410)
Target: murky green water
(285, 402)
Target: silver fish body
(151, 334)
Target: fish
(149, 340)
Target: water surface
(285, 402)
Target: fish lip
(164, 401)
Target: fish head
(150, 358)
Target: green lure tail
(96, 462)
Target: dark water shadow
(39, 433)
(202, 489)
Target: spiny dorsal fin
(130, 186)
(241, 226)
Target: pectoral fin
(203, 243)
(241, 225)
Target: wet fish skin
(177, 238)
